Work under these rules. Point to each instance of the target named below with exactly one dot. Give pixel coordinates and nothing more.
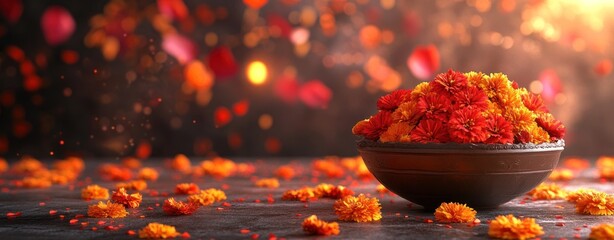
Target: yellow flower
(94, 192)
(605, 167)
(219, 167)
(510, 227)
(406, 112)
(181, 163)
(207, 197)
(107, 210)
(313, 225)
(129, 200)
(547, 191)
(582, 192)
(325, 190)
(454, 213)
(267, 183)
(358, 209)
(420, 90)
(561, 174)
(521, 118)
(602, 232)
(303, 194)
(475, 78)
(158, 230)
(595, 203)
(397, 132)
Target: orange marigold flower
(554, 127)
(35, 182)
(582, 192)
(62, 176)
(74, 164)
(577, 163)
(534, 102)
(94, 192)
(434, 106)
(454, 213)
(475, 78)
(407, 112)
(207, 197)
(315, 226)
(219, 167)
(27, 165)
(430, 131)
(173, 207)
(129, 200)
(520, 118)
(561, 174)
(148, 174)
(498, 130)
(107, 210)
(181, 163)
(467, 125)
(3, 165)
(391, 101)
(267, 183)
(538, 134)
(138, 185)
(374, 126)
(358, 209)
(112, 172)
(449, 83)
(420, 90)
(604, 231)
(285, 172)
(605, 167)
(131, 162)
(496, 85)
(471, 97)
(304, 194)
(397, 132)
(595, 203)
(325, 190)
(186, 188)
(510, 227)
(547, 191)
(246, 169)
(157, 230)
(329, 166)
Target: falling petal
(198, 76)
(173, 9)
(57, 24)
(551, 84)
(315, 94)
(222, 62)
(255, 4)
(180, 47)
(424, 61)
(11, 9)
(287, 88)
(221, 116)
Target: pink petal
(424, 61)
(173, 9)
(551, 84)
(315, 94)
(287, 88)
(11, 9)
(57, 24)
(222, 62)
(180, 47)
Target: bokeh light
(257, 72)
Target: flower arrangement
(462, 108)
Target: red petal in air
(315, 94)
(222, 62)
(57, 24)
(424, 61)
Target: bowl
(483, 176)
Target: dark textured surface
(282, 218)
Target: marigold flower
(467, 125)
(495, 85)
(112, 172)
(434, 106)
(538, 134)
(138, 185)
(3, 165)
(561, 174)
(131, 162)
(534, 102)
(62, 176)
(35, 182)
(576, 163)
(605, 167)
(304, 194)
(581, 193)
(148, 174)
(358, 209)
(510, 227)
(325, 190)
(475, 78)
(391, 101)
(107, 210)
(186, 188)
(219, 167)
(129, 200)
(74, 164)
(498, 130)
(181, 163)
(454, 213)
(420, 90)
(328, 166)
(471, 97)
(429, 130)
(158, 230)
(407, 112)
(547, 191)
(27, 165)
(173, 207)
(267, 183)
(449, 83)
(245, 169)
(94, 192)
(520, 118)
(595, 203)
(554, 127)
(315, 226)
(397, 132)
(604, 231)
(207, 197)
(374, 126)
(285, 172)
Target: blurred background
(278, 78)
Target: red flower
(375, 126)
(522, 137)
(467, 126)
(434, 106)
(471, 97)
(499, 130)
(173, 207)
(428, 131)
(554, 127)
(534, 103)
(449, 83)
(391, 102)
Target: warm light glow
(256, 72)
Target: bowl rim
(369, 145)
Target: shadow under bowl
(481, 175)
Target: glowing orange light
(198, 76)
(255, 4)
(222, 116)
(257, 72)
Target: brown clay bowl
(481, 175)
